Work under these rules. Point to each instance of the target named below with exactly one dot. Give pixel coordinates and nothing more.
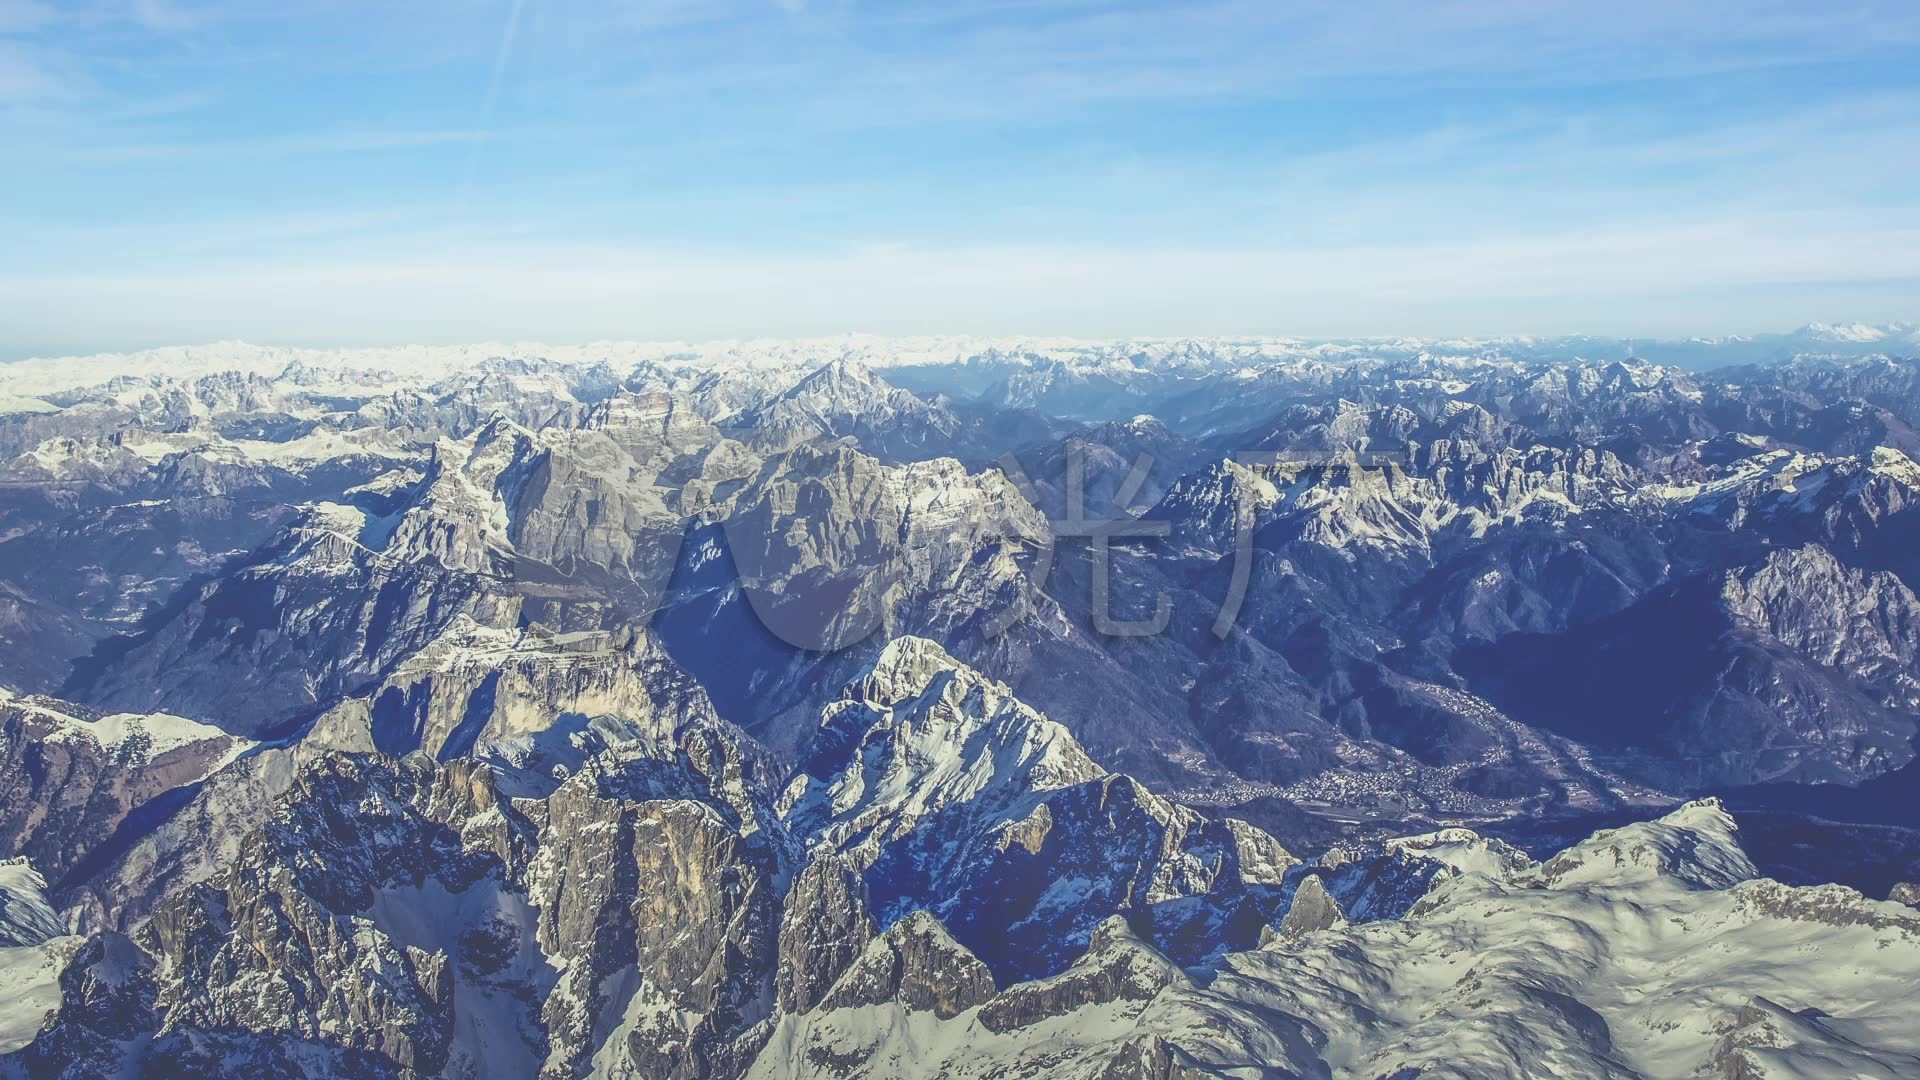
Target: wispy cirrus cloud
(164, 16)
(1283, 158)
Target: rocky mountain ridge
(1108, 709)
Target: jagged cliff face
(652, 913)
(659, 912)
(938, 785)
(534, 701)
(71, 776)
(744, 711)
(831, 546)
(1793, 667)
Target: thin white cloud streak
(833, 69)
(163, 17)
(1701, 278)
(816, 73)
(1600, 165)
(969, 67)
(508, 33)
(490, 100)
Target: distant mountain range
(867, 707)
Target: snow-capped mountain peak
(1696, 845)
(920, 733)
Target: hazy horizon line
(44, 351)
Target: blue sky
(361, 173)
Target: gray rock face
(1865, 624)
(420, 909)
(192, 845)
(917, 964)
(1117, 967)
(69, 775)
(823, 930)
(1312, 909)
(847, 399)
(315, 618)
(533, 701)
(646, 916)
(1906, 892)
(603, 508)
(831, 546)
(282, 945)
(665, 907)
(649, 912)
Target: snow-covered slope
(921, 734)
(26, 918)
(949, 794)
(1648, 952)
(34, 947)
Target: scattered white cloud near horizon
(357, 173)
